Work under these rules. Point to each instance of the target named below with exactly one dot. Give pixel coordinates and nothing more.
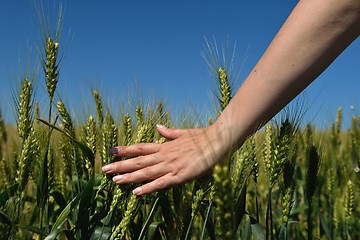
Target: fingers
(130, 165)
(135, 150)
(144, 174)
(169, 133)
(154, 186)
(161, 179)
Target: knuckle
(139, 148)
(138, 162)
(125, 151)
(147, 172)
(161, 183)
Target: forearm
(315, 33)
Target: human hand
(189, 154)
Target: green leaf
(325, 226)
(167, 213)
(300, 209)
(62, 217)
(34, 230)
(282, 232)
(257, 229)
(101, 233)
(85, 209)
(246, 234)
(8, 193)
(154, 230)
(59, 198)
(84, 149)
(240, 206)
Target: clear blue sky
(157, 45)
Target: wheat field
(288, 181)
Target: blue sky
(156, 46)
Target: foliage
(285, 182)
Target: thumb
(169, 133)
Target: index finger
(135, 150)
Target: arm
(315, 33)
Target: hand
(189, 154)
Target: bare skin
(315, 33)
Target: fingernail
(113, 150)
(160, 126)
(137, 190)
(106, 168)
(117, 178)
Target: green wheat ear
(336, 128)
(243, 163)
(224, 227)
(355, 138)
(69, 152)
(283, 149)
(25, 110)
(29, 153)
(3, 133)
(66, 119)
(313, 167)
(51, 66)
(224, 88)
(349, 200)
(287, 202)
(288, 187)
(139, 115)
(126, 130)
(109, 138)
(268, 149)
(199, 195)
(120, 230)
(90, 137)
(99, 108)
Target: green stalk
(206, 220)
(151, 214)
(269, 217)
(309, 223)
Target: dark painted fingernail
(113, 150)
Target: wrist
(225, 137)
